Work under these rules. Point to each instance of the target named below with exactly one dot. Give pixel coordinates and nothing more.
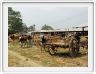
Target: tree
(15, 24)
(46, 27)
(25, 28)
(31, 28)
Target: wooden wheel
(52, 50)
(74, 48)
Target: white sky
(57, 17)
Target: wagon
(72, 44)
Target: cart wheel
(73, 52)
(52, 51)
(74, 48)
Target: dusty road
(21, 60)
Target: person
(77, 36)
(43, 41)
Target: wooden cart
(72, 45)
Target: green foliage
(31, 28)
(15, 24)
(25, 28)
(46, 27)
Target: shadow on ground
(67, 55)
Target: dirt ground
(34, 57)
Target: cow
(25, 40)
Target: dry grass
(44, 59)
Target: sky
(57, 17)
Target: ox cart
(73, 46)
